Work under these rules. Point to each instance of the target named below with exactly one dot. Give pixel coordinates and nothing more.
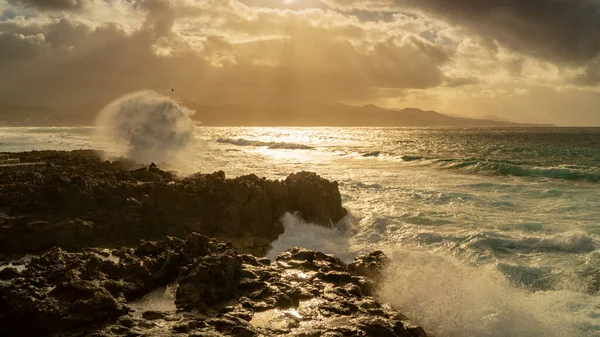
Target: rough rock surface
(219, 293)
(79, 201)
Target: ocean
(491, 231)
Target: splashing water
(307, 235)
(438, 291)
(451, 299)
(148, 127)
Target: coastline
(83, 204)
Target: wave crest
(506, 168)
(270, 145)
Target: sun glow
(289, 2)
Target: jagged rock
(82, 201)
(317, 200)
(152, 315)
(209, 280)
(8, 273)
(219, 293)
(69, 305)
(126, 321)
(61, 291)
(371, 265)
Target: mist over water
(148, 127)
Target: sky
(521, 60)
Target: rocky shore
(118, 249)
(205, 289)
(79, 200)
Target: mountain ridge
(338, 115)
(241, 115)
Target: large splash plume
(148, 127)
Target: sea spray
(448, 296)
(148, 127)
(327, 240)
(450, 299)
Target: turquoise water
(493, 232)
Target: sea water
(492, 232)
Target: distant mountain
(494, 118)
(335, 115)
(240, 115)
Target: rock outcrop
(81, 216)
(80, 201)
(217, 292)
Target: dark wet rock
(152, 315)
(219, 293)
(62, 291)
(316, 199)
(185, 327)
(9, 273)
(417, 332)
(370, 265)
(209, 280)
(28, 310)
(82, 201)
(243, 331)
(126, 321)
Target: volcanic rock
(370, 265)
(219, 293)
(82, 201)
(8, 273)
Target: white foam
(20, 265)
(161, 299)
(451, 299)
(108, 257)
(570, 242)
(298, 233)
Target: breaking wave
(575, 242)
(148, 127)
(451, 299)
(299, 233)
(270, 145)
(392, 156)
(495, 167)
(507, 168)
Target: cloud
(52, 4)
(563, 32)
(399, 52)
(18, 47)
(161, 16)
(253, 55)
(555, 30)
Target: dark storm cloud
(52, 4)
(557, 30)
